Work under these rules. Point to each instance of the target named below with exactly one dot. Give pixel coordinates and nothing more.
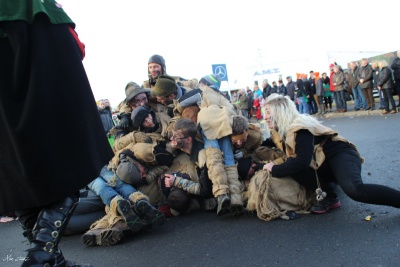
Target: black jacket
(385, 79)
(396, 68)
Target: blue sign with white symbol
(220, 70)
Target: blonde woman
(307, 143)
(385, 84)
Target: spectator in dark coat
(105, 116)
(396, 73)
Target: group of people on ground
(180, 146)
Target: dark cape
(52, 141)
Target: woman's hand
(268, 166)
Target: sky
(247, 36)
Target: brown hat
(128, 171)
(132, 89)
(165, 86)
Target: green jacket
(12, 10)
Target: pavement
(352, 113)
(355, 235)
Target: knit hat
(139, 114)
(164, 86)
(331, 65)
(213, 81)
(244, 165)
(160, 61)
(132, 89)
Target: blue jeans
(359, 98)
(223, 144)
(107, 192)
(312, 104)
(382, 100)
(303, 106)
(335, 97)
(341, 100)
(245, 113)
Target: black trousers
(344, 169)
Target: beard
(179, 144)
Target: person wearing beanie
(147, 121)
(246, 137)
(166, 90)
(156, 67)
(216, 132)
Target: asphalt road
(339, 238)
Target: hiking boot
(113, 235)
(223, 204)
(132, 220)
(89, 238)
(151, 215)
(325, 205)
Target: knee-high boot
(235, 189)
(46, 235)
(219, 178)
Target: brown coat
(215, 116)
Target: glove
(238, 154)
(125, 122)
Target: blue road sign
(220, 70)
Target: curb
(353, 113)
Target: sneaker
(356, 109)
(325, 205)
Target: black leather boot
(46, 235)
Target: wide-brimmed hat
(132, 89)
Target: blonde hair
(284, 115)
(374, 64)
(382, 64)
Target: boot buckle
(54, 234)
(49, 247)
(58, 224)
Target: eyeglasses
(139, 101)
(177, 138)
